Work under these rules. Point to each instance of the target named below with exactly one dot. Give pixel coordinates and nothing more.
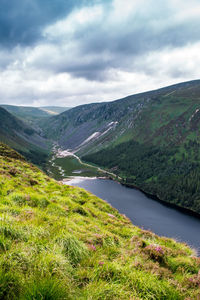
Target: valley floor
(64, 163)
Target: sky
(72, 52)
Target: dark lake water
(145, 212)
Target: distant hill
(61, 242)
(54, 110)
(22, 137)
(33, 114)
(151, 140)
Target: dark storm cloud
(21, 21)
(125, 42)
(140, 40)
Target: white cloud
(78, 18)
(103, 53)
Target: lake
(143, 211)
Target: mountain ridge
(150, 140)
(22, 137)
(104, 113)
(33, 115)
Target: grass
(72, 167)
(61, 242)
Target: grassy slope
(170, 119)
(61, 242)
(26, 113)
(22, 138)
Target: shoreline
(114, 177)
(184, 211)
(69, 178)
(156, 198)
(149, 195)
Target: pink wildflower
(190, 279)
(110, 215)
(159, 249)
(92, 247)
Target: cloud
(31, 86)
(68, 52)
(21, 22)
(93, 40)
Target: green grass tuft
(73, 249)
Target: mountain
(26, 113)
(143, 117)
(61, 242)
(22, 137)
(33, 114)
(54, 110)
(151, 140)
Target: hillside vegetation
(61, 242)
(33, 115)
(151, 140)
(168, 116)
(23, 138)
(170, 173)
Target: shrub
(13, 171)
(33, 182)
(156, 253)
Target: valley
(63, 163)
(53, 233)
(99, 150)
(149, 140)
(62, 242)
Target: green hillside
(22, 138)
(165, 172)
(61, 242)
(162, 157)
(151, 140)
(162, 117)
(29, 114)
(33, 115)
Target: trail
(59, 153)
